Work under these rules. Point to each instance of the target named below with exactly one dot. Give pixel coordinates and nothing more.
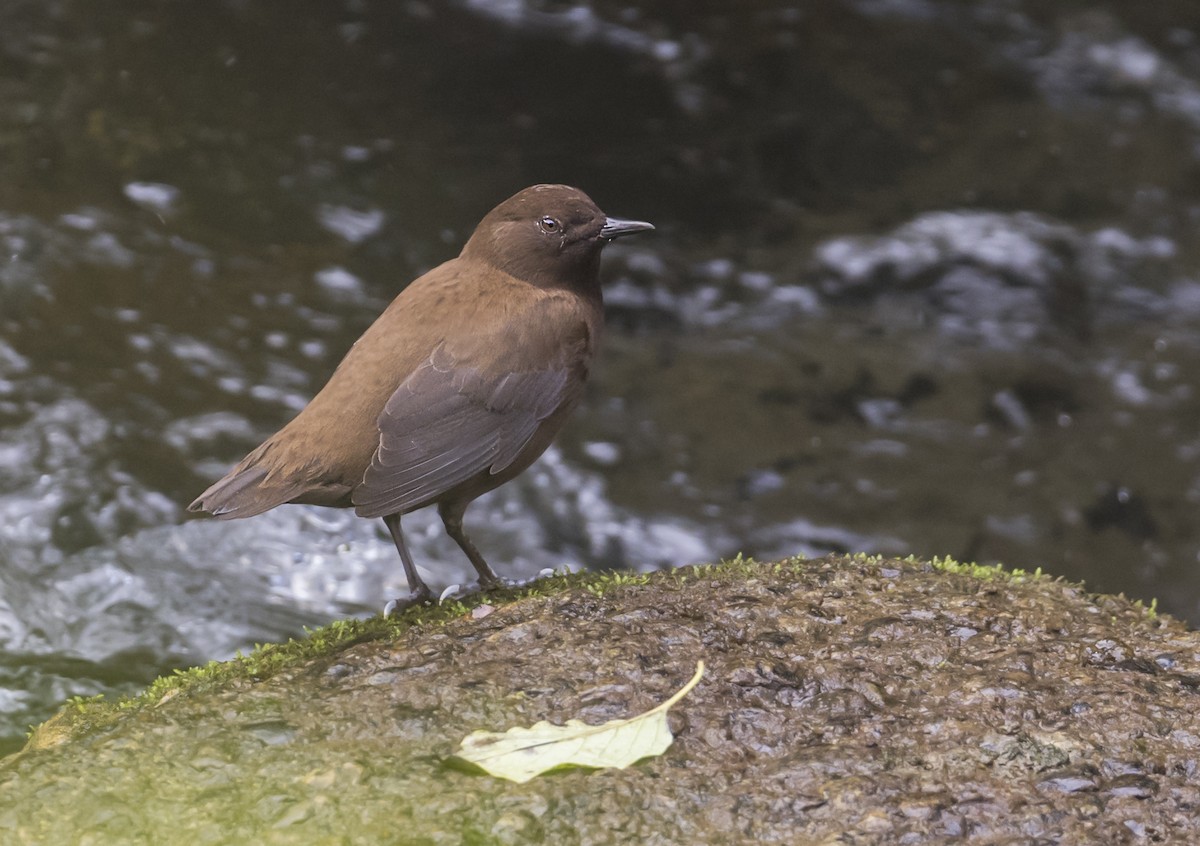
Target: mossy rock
(847, 700)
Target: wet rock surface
(871, 701)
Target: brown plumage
(458, 386)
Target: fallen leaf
(519, 754)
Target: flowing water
(925, 280)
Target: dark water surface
(925, 280)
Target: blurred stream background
(926, 280)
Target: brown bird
(456, 388)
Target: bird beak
(615, 228)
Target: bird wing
(450, 421)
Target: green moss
(356, 741)
(1151, 610)
(80, 716)
(984, 572)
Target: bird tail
(248, 489)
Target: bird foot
(546, 573)
(421, 596)
(459, 592)
(424, 596)
(462, 591)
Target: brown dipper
(458, 386)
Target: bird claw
(459, 592)
(394, 607)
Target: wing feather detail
(449, 422)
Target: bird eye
(548, 224)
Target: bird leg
(419, 592)
(452, 514)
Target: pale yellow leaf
(519, 754)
